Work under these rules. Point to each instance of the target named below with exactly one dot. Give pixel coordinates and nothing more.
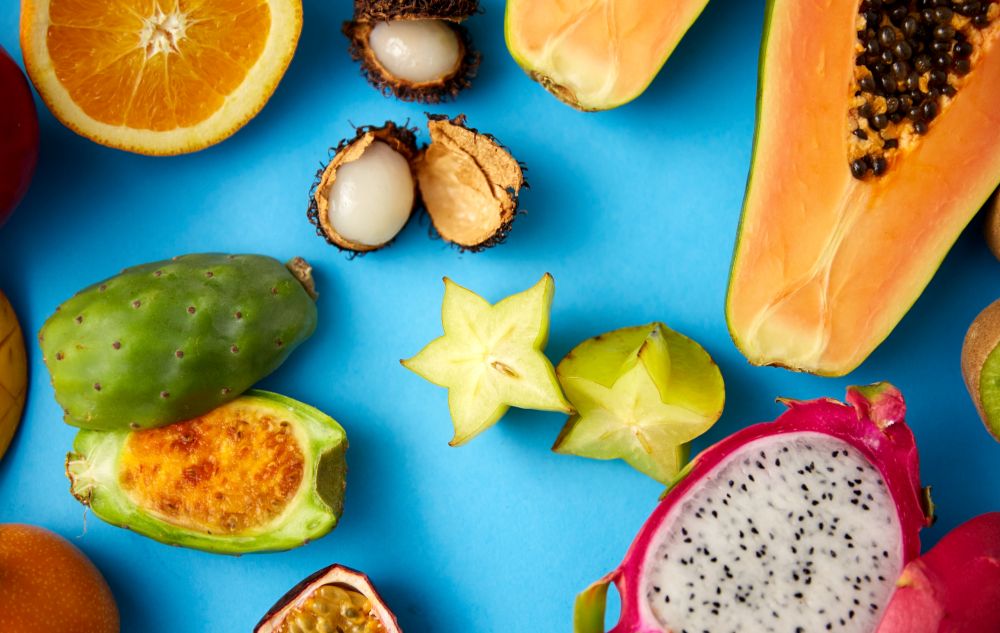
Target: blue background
(633, 211)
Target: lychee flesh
(417, 51)
(372, 197)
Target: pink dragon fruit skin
(955, 587)
(872, 422)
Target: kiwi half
(981, 366)
(400, 138)
(369, 13)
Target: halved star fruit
(469, 183)
(261, 473)
(365, 194)
(641, 394)
(490, 357)
(416, 51)
(337, 599)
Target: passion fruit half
(469, 183)
(336, 599)
(261, 473)
(363, 197)
(416, 50)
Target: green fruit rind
(171, 340)
(490, 357)
(93, 470)
(989, 392)
(641, 394)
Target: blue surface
(633, 211)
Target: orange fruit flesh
(226, 472)
(826, 265)
(154, 65)
(48, 585)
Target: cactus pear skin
(171, 340)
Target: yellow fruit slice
(13, 373)
(158, 76)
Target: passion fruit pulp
(416, 51)
(336, 599)
(261, 473)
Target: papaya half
(596, 55)
(877, 141)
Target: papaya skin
(820, 277)
(981, 341)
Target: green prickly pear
(174, 339)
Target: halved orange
(158, 76)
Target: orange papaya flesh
(826, 264)
(596, 55)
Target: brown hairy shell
(332, 575)
(469, 184)
(443, 89)
(992, 226)
(379, 10)
(400, 138)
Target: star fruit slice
(641, 395)
(490, 357)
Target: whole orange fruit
(48, 585)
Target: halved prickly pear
(640, 394)
(336, 599)
(261, 473)
(955, 587)
(490, 357)
(174, 339)
(801, 524)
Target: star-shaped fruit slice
(490, 357)
(641, 395)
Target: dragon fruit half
(801, 525)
